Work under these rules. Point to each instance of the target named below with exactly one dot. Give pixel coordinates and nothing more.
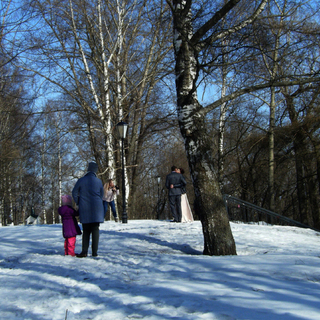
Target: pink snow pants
(69, 246)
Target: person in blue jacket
(87, 194)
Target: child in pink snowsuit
(70, 227)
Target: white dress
(186, 210)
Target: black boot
(81, 255)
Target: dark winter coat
(178, 181)
(70, 227)
(88, 194)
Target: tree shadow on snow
(182, 247)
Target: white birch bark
(90, 66)
(43, 164)
(59, 163)
(103, 110)
(218, 239)
(222, 123)
(121, 14)
(271, 149)
(272, 68)
(106, 115)
(273, 73)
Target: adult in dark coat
(87, 194)
(175, 182)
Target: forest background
(227, 90)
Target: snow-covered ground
(155, 270)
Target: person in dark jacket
(175, 183)
(87, 194)
(70, 227)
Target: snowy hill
(155, 270)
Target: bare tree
(286, 43)
(107, 58)
(15, 132)
(191, 40)
(188, 44)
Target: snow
(149, 269)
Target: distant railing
(240, 210)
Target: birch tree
(191, 39)
(77, 59)
(106, 57)
(43, 166)
(273, 31)
(188, 44)
(14, 137)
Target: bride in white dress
(185, 206)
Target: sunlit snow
(150, 269)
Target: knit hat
(66, 200)
(93, 167)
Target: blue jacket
(87, 194)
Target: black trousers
(88, 229)
(175, 206)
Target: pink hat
(66, 200)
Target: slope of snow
(152, 270)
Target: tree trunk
(271, 151)
(222, 124)
(316, 215)
(43, 162)
(209, 204)
(298, 140)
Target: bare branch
(221, 35)
(268, 84)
